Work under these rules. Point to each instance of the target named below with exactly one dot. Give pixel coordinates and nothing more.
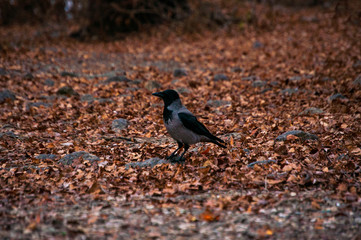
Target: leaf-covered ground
(298, 70)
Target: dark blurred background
(107, 17)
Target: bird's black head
(168, 96)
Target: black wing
(191, 122)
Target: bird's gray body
(176, 128)
(182, 125)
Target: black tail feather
(219, 144)
(219, 140)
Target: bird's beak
(158, 94)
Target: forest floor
(82, 141)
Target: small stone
(151, 162)
(104, 100)
(117, 79)
(236, 69)
(357, 64)
(257, 44)
(298, 133)
(49, 82)
(7, 126)
(183, 90)
(336, 96)
(259, 83)
(119, 124)
(246, 151)
(264, 90)
(262, 162)
(46, 156)
(151, 85)
(310, 19)
(311, 110)
(218, 103)
(308, 76)
(29, 76)
(289, 91)
(250, 78)
(6, 95)
(220, 77)
(295, 78)
(66, 91)
(48, 98)
(136, 81)
(9, 134)
(357, 80)
(69, 158)
(68, 74)
(179, 72)
(327, 79)
(67, 144)
(342, 157)
(87, 98)
(3, 72)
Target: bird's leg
(186, 147)
(180, 145)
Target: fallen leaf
(206, 150)
(231, 141)
(315, 205)
(92, 219)
(208, 216)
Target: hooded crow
(182, 125)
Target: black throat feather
(167, 114)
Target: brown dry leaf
(356, 151)
(50, 145)
(92, 219)
(206, 150)
(257, 168)
(315, 205)
(95, 188)
(342, 187)
(207, 163)
(192, 218)
(208, 215)
(32, 226)
(287, 168)
(231, 141)
(253, 132)
(264, 232)
(292, 178)
(273, 182)
(318, 224)
(169, 190)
